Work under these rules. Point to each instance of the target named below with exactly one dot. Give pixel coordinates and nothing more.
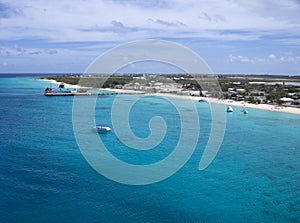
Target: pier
(87, 93)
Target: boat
(245, 111)
(229, 109)
(65, 92)
(102, 128)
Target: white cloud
(60, 20)
(271, 58)
(243, 59)
(58, 31)
(292, 59)
(167, 23)
(17, 50)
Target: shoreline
(266, 107)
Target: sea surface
(255, 177)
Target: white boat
(245, 111)
(102, 128)
(229, 109)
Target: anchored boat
(229, 109)
(102, 128)
(245, 111)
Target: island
(278, 91)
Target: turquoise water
(44, 178)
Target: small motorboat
(229, 109)
(102, 128)
(245, 111)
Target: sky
(232, 36)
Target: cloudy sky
(232, 36)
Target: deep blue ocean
(255, 177)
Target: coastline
(266, 107)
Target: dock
(87, 93)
